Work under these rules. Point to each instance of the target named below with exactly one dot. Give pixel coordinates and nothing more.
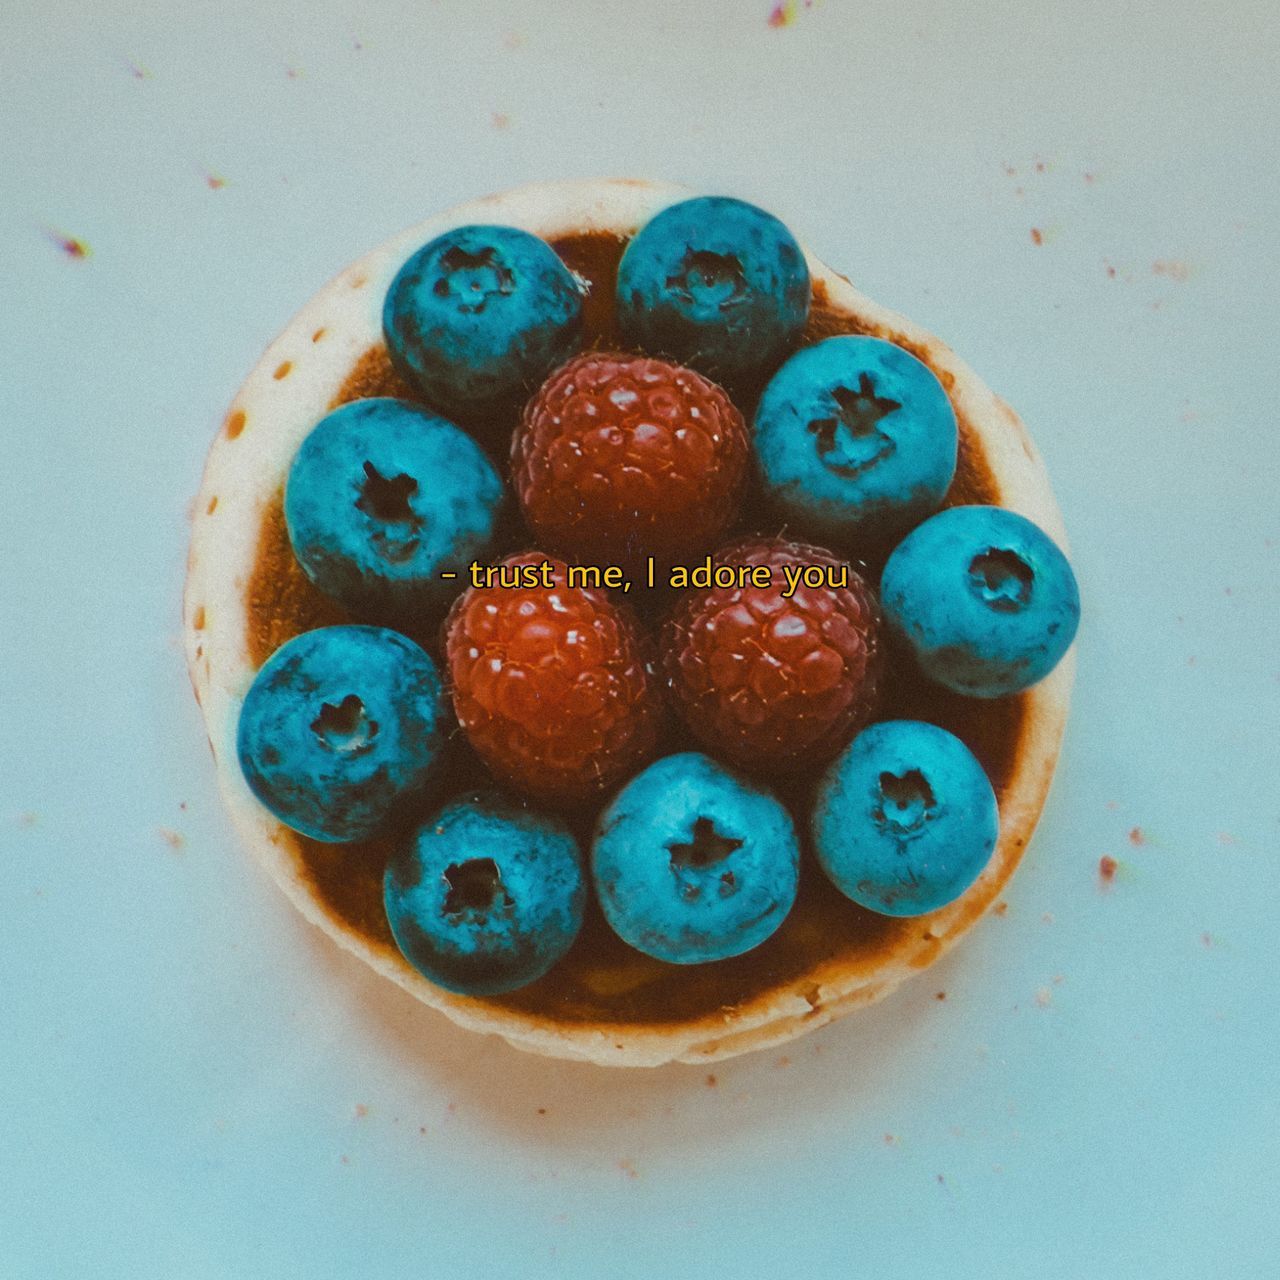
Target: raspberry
(618, 457)
(551, 685)
(767, 681)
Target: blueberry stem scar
(1002, 579)
(344, 726)
(474, 885)
(706, 847)
(386, 498)
(905, 801)
(707, 277)
(477, 277)
(859, 413)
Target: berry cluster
(567, 693)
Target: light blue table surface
(1082, 199)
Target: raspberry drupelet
(619, 457)
(552, 685)
(772, 683)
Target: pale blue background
(182, 1059)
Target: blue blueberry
(478, 317)
(486, 896)
(694, 863)
(381, 499)
(716, 284)
(985, 599)
(905, 819)
(339, 727)
(854, 436)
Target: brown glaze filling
(602, 980)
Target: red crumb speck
(940, 995)
(1171, 268)
(1037, 236)
(1090, 178)
(784, 1061)
(361, 1111)
(1206, 939)
(712, 1082)
(137, 70)
(889, 1139)
(628, 1168)
(293, 73)
(513, 40)
(1137, 837)
(1009, 171)
(1113, 805)
(1001, 908)
(214, 181)
(1044, 997)
(74, 248)
(1111, 272)
(174, 839)
(28, 819)
(782, 15)
(542, 1111)
(500, 120)
(344, 1160)
(1040, 166)
(1107, 867)
(451, 1108)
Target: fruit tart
(621, 633)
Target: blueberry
(693, 863)
(716, 284)
(904, 819)
(381, 498)
(486, 896)
(479, 316)
(855, 436)
(339, 727)
(985, 599)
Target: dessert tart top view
(621, 633)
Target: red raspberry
(620, 457)
(767, 681)
(551, 684)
